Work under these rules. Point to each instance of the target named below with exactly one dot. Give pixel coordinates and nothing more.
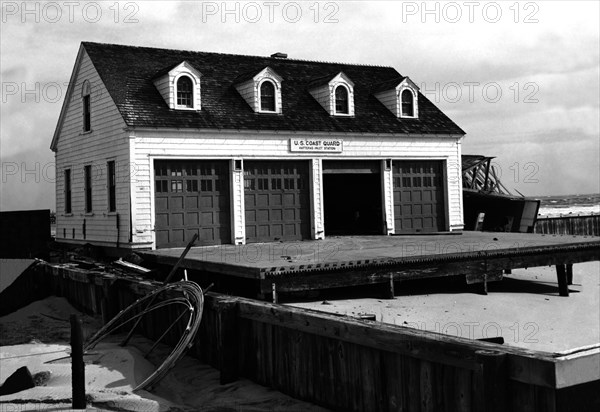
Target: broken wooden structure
(488, 205)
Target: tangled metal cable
(192, 299)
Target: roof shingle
(128, 71)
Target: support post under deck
(561, 274)
(569, 273)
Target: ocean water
(569, 205)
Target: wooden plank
(426, 386)
(392, 382)
(543, 258)
(228, 341)
(463, 390)
(365, 276)
(494, 377)
(414, 384)
(530, 366)
(195, 263)
(371, 378)
(522, 398)
(578, 368)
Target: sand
(524, 308)
(112, 371)
(11, 269)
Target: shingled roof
(128, 71)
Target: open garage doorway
(352, 198)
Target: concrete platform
(352, 260)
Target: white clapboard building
(155, 145)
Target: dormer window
(341, 100)
(185, 92)
(261, 90)
(267, 96)
(334, 93)
(179, 86)
(400, 96)
(408, 108)
(86, 93)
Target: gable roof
(128, 71)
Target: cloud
(563, 161)
(559, 55)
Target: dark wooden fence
(588, 225)
(350, 364)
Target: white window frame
(195, 98)
(334, 101)
(86, 92)
(276, 96)
(414, 101)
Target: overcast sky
(522, 79)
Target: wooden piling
(569, 273)
(274, 292)
(77, 365)
(561, 274)
(493, 377)
(228, 341)
(391, 292)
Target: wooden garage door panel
(191, 197)
(276, 200)
(418, 196)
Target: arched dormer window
(267, 97)
(261, 90)
(86, 95)
(185, 92)
(335, 93)
(179, 86)
(341, 100)
(408, 103)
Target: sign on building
(316, 145)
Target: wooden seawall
(587, 225)
(350, 364)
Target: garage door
(191, 197)
(418, 196)
(276, 200)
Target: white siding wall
(322, 94)
(238, 216)
(316, 175)
(389, 98)
(455, 177)
(75, 149)
(388, 198)
(246, 90)
(150, 145)
(164, 88)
